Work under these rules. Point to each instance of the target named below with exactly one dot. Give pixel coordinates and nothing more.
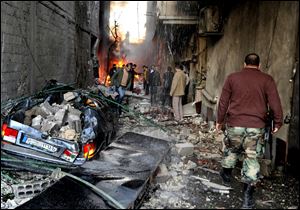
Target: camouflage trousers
(248, 142)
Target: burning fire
(108, 81)
(119, 63)
(102, 74)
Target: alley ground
(181, 184)
(181, 189)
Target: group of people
(130, 66)
(246, 97)
(173, 87)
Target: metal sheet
(122, 170)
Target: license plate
(39, 144)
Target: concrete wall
(42, 41)
(267, 28)
(167, 8)
(93, 16)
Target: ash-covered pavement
(179, 186)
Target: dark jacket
(112, 71)
(168, 77)
(154, 79)
(117, 78)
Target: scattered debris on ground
(188, 177)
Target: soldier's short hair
(252, 59)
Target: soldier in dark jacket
(154, 83)
(168, 77)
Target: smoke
(135, 34)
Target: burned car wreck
(59, 125)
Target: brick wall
(42, 41)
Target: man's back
(154, 78)
(178, 84)
(168, 77)
(249, 91)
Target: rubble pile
(58, 120)
(189, 177)
(170, 189)
(19, 187)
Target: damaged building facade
(211, 38)
(46, 40)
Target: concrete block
(69, 96)
(49, 126)
(162, 174)
(74, 121)
(76, 125)
(60, 116)
(30, 189)
(72, 117)
(145, 107)
(185, 149)
(38, 111)
(47, 108)
(36, 122)
(74, 111)
(69, 134)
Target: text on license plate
(39, 144)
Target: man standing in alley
(113, 70)
(133, 73)
(154, 83)
(246, 97)
(168, 78)
(177, 91)
(122, 81)
(146, 79)
(187, 85)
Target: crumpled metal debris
(213, 186)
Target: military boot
(226, 174)
(248, 197)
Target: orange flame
(108, 80)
